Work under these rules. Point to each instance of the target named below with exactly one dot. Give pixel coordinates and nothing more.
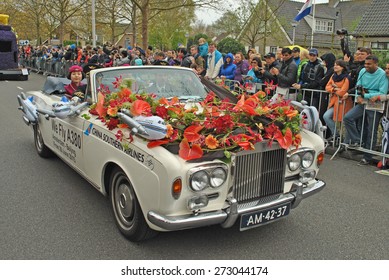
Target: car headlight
(218, 177)
(199, 181)
(307, 159)
(294, 162)
(205, 176)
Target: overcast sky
(209, 16)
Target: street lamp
(93, 24)
(294, 24)
(186, 39)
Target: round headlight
(294, 162)
(307, 159)
(199, 181)
(218, 177)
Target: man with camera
(121, 58)
(264, 73)
(372, 81)
(343, 36)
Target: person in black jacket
(311, 77)
(329, 62)
(286, 75)
(264, 73)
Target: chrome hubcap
(125, 203)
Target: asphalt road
(47, 211)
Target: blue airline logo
(88, 130)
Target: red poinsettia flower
(192, 133)
(223, 124)
(125, 92)
(140, 107)
(157, 143)
(118, 81)
(100, 109)
(119, 135)
(187, 153)
(284, 140)
(210, 97)
(161, 111)
(112, 123)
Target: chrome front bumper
(227, 217)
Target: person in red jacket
(76, 75)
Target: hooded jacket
(228, 69)
(329, 59)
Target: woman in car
(75, 75)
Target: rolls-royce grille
(259, 174)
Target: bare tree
(64, 11)
(148, 8)
(260, 21)
(116, 16)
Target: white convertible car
(155, 188)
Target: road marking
(19, 88)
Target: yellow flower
(112, 111)
(169, 130)
(211, 142)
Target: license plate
(261, 217)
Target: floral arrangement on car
(213, 125)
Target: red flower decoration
(112, 123)
(161, 111)
(119, 135)
(117, 82)
(212, 125)
(140, 107)
(192, 133)
(100, 109)
(187, 153)
(284, 140)
(157, 143)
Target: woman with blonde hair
(304, 58)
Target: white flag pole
(313, 23)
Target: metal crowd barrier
(46, 67)
(378, 148)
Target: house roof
(345, 15)
(375, 21)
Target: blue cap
(314, 51)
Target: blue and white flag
(305, 10)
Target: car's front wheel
(40, 146)
(126, 209)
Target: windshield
(164, 82)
